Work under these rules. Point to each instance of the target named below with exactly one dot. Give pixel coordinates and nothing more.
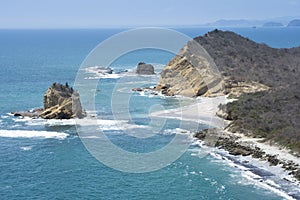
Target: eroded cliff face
(191, 73)
(61, 102)
(230, 64)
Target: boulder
(61, 102)
(273, 160)
(145, 69)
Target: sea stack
(145, 69)
(61, 102)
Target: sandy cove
(204, 111)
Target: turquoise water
(43, 166)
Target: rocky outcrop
(230, 143)
(61, 102)
(145, 69)
(34, 113)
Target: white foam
(102, 73)
(25, 119)
(254, 179)
(32, 134)
(104, 76)
(60, 122)
(265, 185)
(26, 148)
(102, 123)
(193, 173)
(49, 122)
(118, 125)
(97, 69)
(176, 131)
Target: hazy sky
(99, 13)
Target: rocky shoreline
(232, 143)
(263, 81)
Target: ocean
(46, 159)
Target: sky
(104, 13)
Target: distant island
(235, 23)
(275, 22)
(272, 24)
(295, 22)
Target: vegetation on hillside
(272, 114)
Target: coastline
(204, 111)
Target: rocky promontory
(60, 102)
(243, 66)
(263, 81)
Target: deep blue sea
(46, 159)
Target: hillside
(265, 80)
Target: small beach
(204, 111)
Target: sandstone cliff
(232, 65)
(191, 73)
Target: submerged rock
(61, 102)
(35, 113)
(145, 69)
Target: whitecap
(22, 119)
(193, 173)
(60, 122)
(249, 176)
(104, 76)
(32, 134)
(48, 122)
(118, 125)
(26, 148)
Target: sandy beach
(204, 111)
